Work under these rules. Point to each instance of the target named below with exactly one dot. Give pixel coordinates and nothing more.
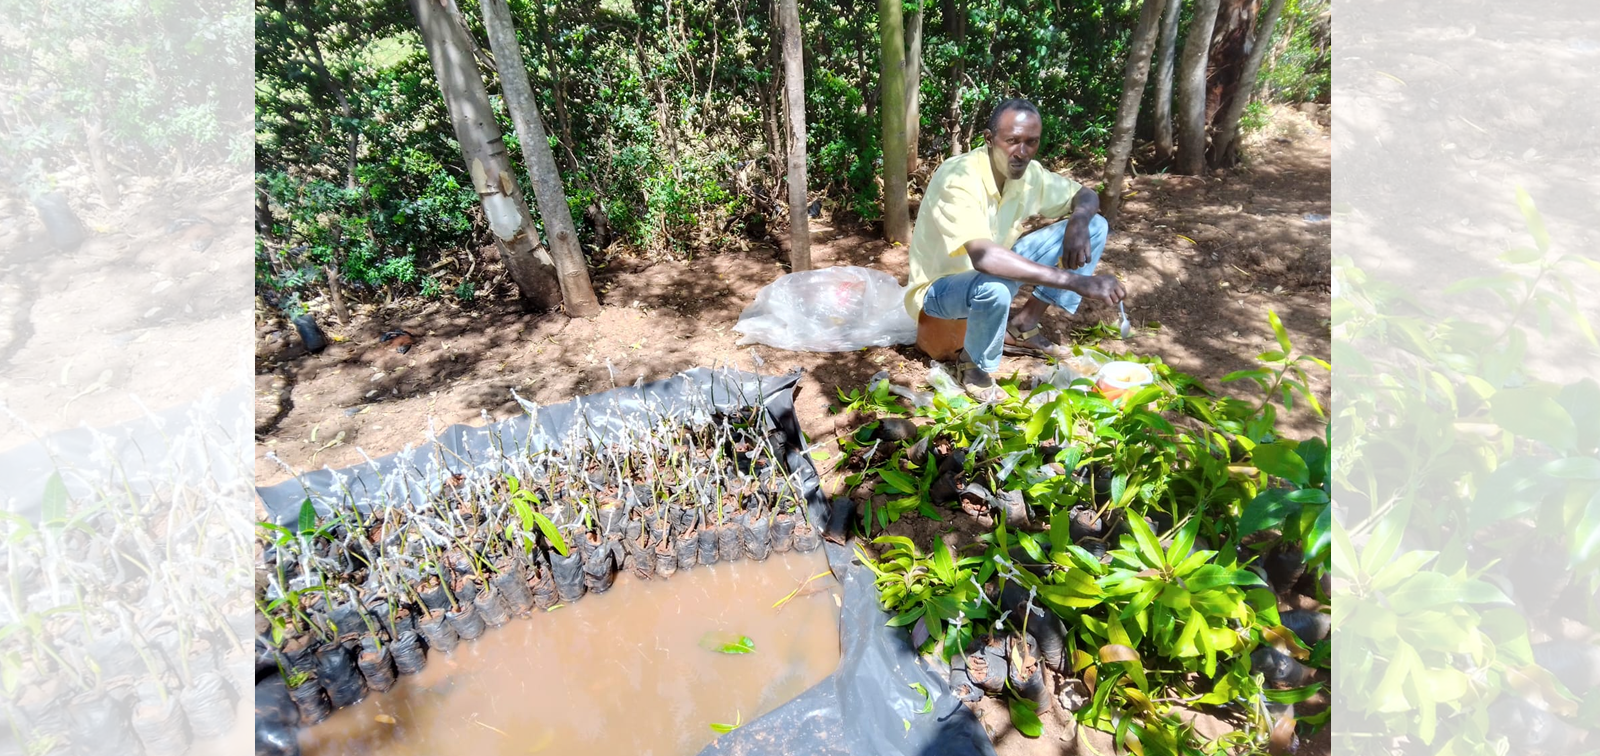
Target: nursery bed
(882, 698)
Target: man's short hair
(1008, 105)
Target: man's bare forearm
(1085, 205)
(995, 260)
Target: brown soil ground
(1204, 260)
(139, 318)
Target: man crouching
(969, 256)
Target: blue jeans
(984, 301)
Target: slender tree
(1134, 74)
(955, 28)
(1192, 89)
(794, 83)
(1225, 127)
(577, 293)
(1230, 45)
(451, 52)
(1162, 110)
(913, 87)
(891, 79)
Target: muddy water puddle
(624, 672)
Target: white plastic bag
(829, 310)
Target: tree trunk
(549, 194)
(776, 95)
(1162, 112)
(353, 142)
(794, 83)
(1225, 129)
(769, 126)
(450, 50)
(955, 24)
(913, 88)
(336, 294)
(264, 219)
(595, 212)
(892, 81)
(1230, 45)
(104, 180)
(1134, 73)
(1192, 89)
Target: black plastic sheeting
(597, 415)
(866, 707)
(150, 452)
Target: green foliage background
(657, 112)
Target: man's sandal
(1016, 343)
(978, 391)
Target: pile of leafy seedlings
(358, 592)
(1126, 559)
(122, 605)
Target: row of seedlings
(356, 593)
(124, 628)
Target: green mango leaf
(1119, 486)
(1183, 541)
(1501, 282)
(1531, 413)
(1278, 330)
(551, 533)
(724, 643)
(1586, 536)
(1060, 531)
(1426, 590)
(1211, 577)
(1266, 511)
(1533, 220)
(1041, 416)
(1031, 545)
(898, 481)
(1293, 695)
(54, 511)
(1582, 401)
(1521, 255)
(524, 512)
(1149, 545)
(927, 698)
(308, 517)
(1308, 496)
(907, 617)
(1319, 461)
(943, 565)
(1025, 719)
(1265, 604)
(1279, 459)
(1320, 536)
(1574, 468)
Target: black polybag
(338, 674)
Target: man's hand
(1075, 244)
(1105, 288)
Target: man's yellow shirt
(962, 204)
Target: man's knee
(1098, 230)
(991, 294)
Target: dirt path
(109, 331)
(1203, 257)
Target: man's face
(1014, 142)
